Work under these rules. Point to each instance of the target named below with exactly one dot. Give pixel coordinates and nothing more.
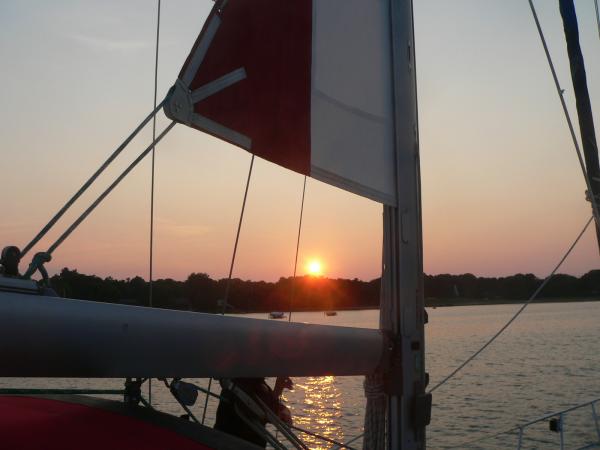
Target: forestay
(305, 84)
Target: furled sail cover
(306, 84)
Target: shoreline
(447, 302)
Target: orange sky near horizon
(502, 189)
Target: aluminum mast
(402, 305)
(584, 106)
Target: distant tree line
(199, 292)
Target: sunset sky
(502, 189)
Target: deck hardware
(186, 393)
(595, 417)
(37, 264)
(554, 425)
(132, 395)
(9, 260)
(393, 377)
(421, 414)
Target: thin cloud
(107, 44)
(179, 230)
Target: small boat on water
(331, 313)
(276, 315)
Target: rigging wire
(522, 426)
(237, 238)
(297, 249)
(595, 215)
(151, 255)
(293, 290)
(597, 16)
(567, 115)
(351, 441)
(485, 437)
(90, 180)
(518, 313)
(228, 285)
(109, 189)
(337, 444)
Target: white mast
(402, 306)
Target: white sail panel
(352, 137)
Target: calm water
(546, 361)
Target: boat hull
(77, 422)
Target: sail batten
(307, 84)
(199, 52)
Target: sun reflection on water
(320, 411)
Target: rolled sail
(55, 337)
(306, 84)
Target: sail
(56, 337)
(306, 84)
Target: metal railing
(556, 422)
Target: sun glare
(314, 267)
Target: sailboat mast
(402, 305)
(582, 97)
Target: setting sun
(314, 267)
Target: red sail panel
(271, 40)
(306, 84)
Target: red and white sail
(306, 84)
